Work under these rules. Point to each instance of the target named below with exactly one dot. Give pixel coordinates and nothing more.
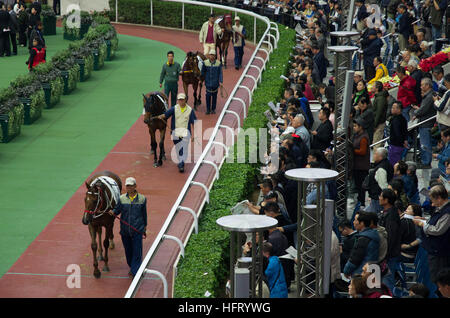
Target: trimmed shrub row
(208, 251)
(29, 94)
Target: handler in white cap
(133, 209)
(212, 73)
(183, 118)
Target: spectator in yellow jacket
(381, 70)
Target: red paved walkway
(41, 270)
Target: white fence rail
(266, 38)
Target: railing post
(182, 16)
(151, 12)
(117, 12)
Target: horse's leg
(100, 248)
(153, 145)
(195, 86)
(162, 155)
(186, 92)
(93, 233)
(108, 234)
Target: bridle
(99, 203)
(149, 101)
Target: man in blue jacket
(366, 246)
(212, 73)
(445, 153)
(274, 274)
(321, 61)
(133, 207)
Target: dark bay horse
(223, 41)
(191, 75)
(99, 200)
(155, 104)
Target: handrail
(159, 238)
(409, 129)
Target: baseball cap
(130, 181)
(237, 18)
(360, 73)
(372, 32)
(212, 52)
(181, 96)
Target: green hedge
(208, 251)
(11, 115)
(138, 12)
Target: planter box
(49, 24)
(70, 79)
(33, 107)
(53, 92)
(74, 34)
(108, 50)
(100, 57)
(86, 67)
(11, 123)
(96, 55)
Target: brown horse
(191, 75)
(99, 200)
(223, 41)
(155, 104)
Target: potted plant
(31, 95)
(97, 44)
(11, 115)
(48, 20)
(51, 81)
(83, 56)
(69, 69)
(110, 35)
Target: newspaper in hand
(241, 208)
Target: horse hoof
(160, 163)
(155, 165)
(164, 158)
(106, 269)
(97, 274)
(100, 258)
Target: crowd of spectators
(393, 222)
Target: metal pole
(260, 282)
(350, 15)
(253, 273)
(182, 16)
(299, 233)
(151, 12)
(117, 12)
(232, 257)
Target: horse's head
(148, 102)
(92, 201)
(191, 64)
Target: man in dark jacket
(348, 235)
(437, 11)
(14, 27)
(133, 207)
(379, 105)
(405, 27)
(5, 22)
(398, 134)
(436, 232)
(366, 247)
(390, 220)
(425, 111)
(361, 155)
(212, 72)
(323, 136)
(366, 114)
(320, 61)
(371, 51)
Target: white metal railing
(409, 129)
(201, 160)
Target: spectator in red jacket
(406, 91)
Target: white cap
(212, 52)
(181, 96)
(130, 181)
(360, 73)
(289, 130)
(237, 18)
